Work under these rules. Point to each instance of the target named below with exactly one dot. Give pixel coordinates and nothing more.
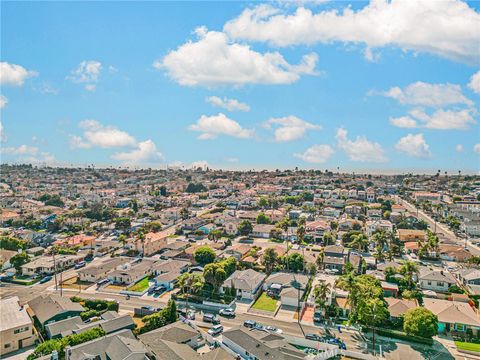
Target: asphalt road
(444, 233)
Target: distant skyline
(381, 87)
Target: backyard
(467, 346)
(140, 286)
(265, 303)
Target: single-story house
(453, 315)
(246, 282)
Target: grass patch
(140, 286)
(467, 346)
(265, 303)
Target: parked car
(313, 337)
(148, 307)
(229, 312)
(190, 315)
(80, 265)
(215, 330)
(249, 324)
(337, 342)
(211, 318)
(273, 329)
(317, 317)
(45, 279)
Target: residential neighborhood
(238, 264)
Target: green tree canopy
(204, 255)
(420, 322)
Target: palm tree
(321, 292)
(409, 269)
(348, 282)
(380, 239)
(359, 242)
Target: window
(20, 330)
(429, 283)
(6, 346)
(439, 283)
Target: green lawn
(140, 286)
(468, 346)
(265, 303)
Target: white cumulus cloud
(14, 75)
(476, 148)
(212, 126)
(145, 151)
(3, 135)
(361, 149)
(316, 154)
(426, 94)
(474, 83)
(459, 148)
(218, 61)
(87, 72)
(3, 101)
(445, 119)
(290, 128)
(403, 122)
(228, 104)
(446, 28)
(413, 145)
(20, 150)
(97, 134)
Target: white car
(215, 330)
(227, 312)
(273, 329)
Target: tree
(294, 262)
(163, 190)
(373, 312)
(311, 269)
(420, 322)
(214, 235)
(184, 213)
(263, 219)
(359, 242)
(409, 270)
(270, 260)
(320, 293)
(122, 223)
(134, 205)
(18, 260)
(328, 238)
(245, 228)
(195, 188)
(300, 233)
(204, 255)
(214, 275)
(263, 202)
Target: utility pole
(54, 268)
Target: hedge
(403, 336)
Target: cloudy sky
(378, 85)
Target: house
(16, 327)
(471, 227)
(453, 315)
(420, 196)
(389, 289)
(262, 230)
(436, 280)
(152, 244)
(5, 256)
(246, 282)
(408, 235)
(132, 272)
(255, 344)
(454, 253)
(51, 308)
(378, 225)
(315, 229)
(110, 322)
(231, 226)
(289, 287)
(177, 341)
(238, 251)
(334, 258)
(469, 276)
(121, 345)
(398, 307)
(94, 273)
(46, 265)
(177, 332)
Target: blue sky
(381, 86)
